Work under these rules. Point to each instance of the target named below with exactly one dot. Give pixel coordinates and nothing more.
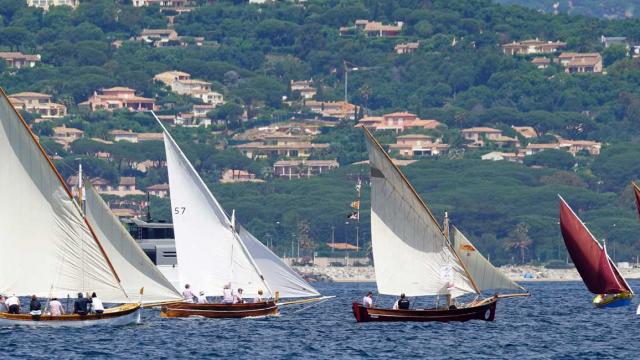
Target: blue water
(557, 322)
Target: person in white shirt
(13, 304)
(227, 294)
(96, 304)
(202, 299)
(55, 307)
(237, 298)
(187, 295)
(259, 298)
(367, 301)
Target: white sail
(279, 276)
(486, 276)
(134, 267)
(209, 253)
(410, 252)
(46, 248)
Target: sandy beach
(517, 273)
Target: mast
(63, 185)
(423, 205)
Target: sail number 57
(179, 210)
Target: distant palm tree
(519, 240)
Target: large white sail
(280, 276)
(410, 252)
(209, 253)
(486, 276)
(134, 267)
(46, 248)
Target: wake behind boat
(415, 257)
(52, 249)
(599, 273)
(215, 252)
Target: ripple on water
(557, 322)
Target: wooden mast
(64, 186)
(424, 205)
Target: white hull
(133, 318)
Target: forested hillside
(610, 9)
(459, 75)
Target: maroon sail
(596, 269)
(636, 191)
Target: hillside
(446, 63)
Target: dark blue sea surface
(556, 322)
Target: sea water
(556, 322)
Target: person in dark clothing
(81, 305)
(35, 308)
(402, 303)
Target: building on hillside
(18, 60)
(614, 41)
(196, 117)
(406, 48)
(507, 156)
(280, 146)
(117, 98)
(307, 130)
(304, 88)
(296, 169)
(527, 132)
(124, 135)
(575, 146)
(372, 29)
(164, 3)
(581, 62)
(332, 109)
(230, 176)
(101, 185)
(126, 187)
(167, 37)
(159, 190)
(479, 136)
(398, 122)
(38, 103)
(150, 137)
(530, 47)
(146, 165)
(181, 83)
(46, 4)
(418, 145)
(541, 62)
(64, 135)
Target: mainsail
(410, 251)
(135, 269)
(280, 276)
(46, 247)
(486, 276)
(209, 254)
(597, 270)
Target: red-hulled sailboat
(598, 272)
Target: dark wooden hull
(120, 315)
(484, 310)
(220, 310)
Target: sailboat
(214, 251)
(599, 273)
(50, 248)
(414, 255)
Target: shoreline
(526, 273)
